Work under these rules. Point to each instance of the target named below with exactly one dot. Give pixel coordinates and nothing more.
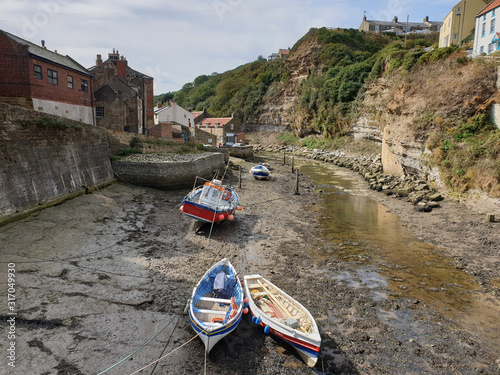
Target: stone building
(123, 97)
(399, 27)
(34, 77)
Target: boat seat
(215, 312)
(218, 300)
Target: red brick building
(31, 76)
(123, 97)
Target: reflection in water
(355, 228)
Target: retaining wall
(43, 165)
(171, 175)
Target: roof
(494, 4)
(214, 120)
(48, 55)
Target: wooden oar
(275, 300)
(278, 302)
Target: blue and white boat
(260, 172)
(216, 305)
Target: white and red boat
(283, 316)
(211, 202)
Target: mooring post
(293, 162)
(240, 176)
(284, 157)
(297, 182)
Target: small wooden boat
(216, 305)
(260, 172)
(283, 316)
(211, 202)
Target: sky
(176, 41)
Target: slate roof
(45, 54)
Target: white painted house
(487, 33)
(173, 113)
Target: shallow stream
(389, 258)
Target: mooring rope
(165, 356)
(142, 347)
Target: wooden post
(297, 182)
(293, 162)
(240, 176)
(284, 157)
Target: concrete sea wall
(168, 171)
(46, 159)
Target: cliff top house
(395, 26)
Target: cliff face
(408, 109)
(279, 106)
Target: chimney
(43, 44)
(158, 105)
(395, 20)
(98, 61)
(426, 19)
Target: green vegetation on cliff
(337, 71)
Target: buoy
(258, 320)
(230, 217)
(239, 208)
(253, 319)
(245, 300)
(245, 311)
(221, 217)
(182, 208)
(267, 330)
(246, 305)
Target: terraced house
(34, 77)
(487, 33)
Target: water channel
(357, 228)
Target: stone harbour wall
(43, 164)
(420, 190)
(168, 171)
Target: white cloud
(177, 41)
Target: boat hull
(211, 203)
(205, 309)
(204, 213)
(307, 345)
(260, 172)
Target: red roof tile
(494, 4)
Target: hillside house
(397, 27)
(34, 77)
(486, 37)
(171, 112)
(281, 54)
(226, 129)
(123, 97)
(460, 22)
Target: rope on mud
(42, 260)
(142, 347)
(165, 356)
(168, 341)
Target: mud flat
(99, 276)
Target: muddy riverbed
(102, 275)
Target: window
(493, 13)
(99, 111)
(52, 74)
(491, 48)
(455, 36)
(492, 26)
(85, 86)
(481, 50)
(70, 82)
(483, 31)
(38, 72)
